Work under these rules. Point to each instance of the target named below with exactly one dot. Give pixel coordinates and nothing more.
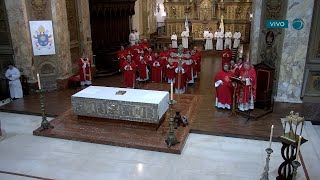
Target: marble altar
(134, 105)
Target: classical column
(255, 31)
(294, 50)
(84, 26)
(20, 35)
(62, 39)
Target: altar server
(236, 37)
(136, 35)
(174, 40)
(227, 40)
(208, 37)
(184, 36)
(132, 38)
(219, 36)
(13, 75)
(85, 70)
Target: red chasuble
(169, 68)
(224, 89)
(121, 57)
(247, 93)
(142, 67)
(85, 73)
(183, 78)
(129, 74)
(156, 70)
(226, 56)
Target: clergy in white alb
(132, 38)
(208, 38)
(136, 35)
(236, 37)
(219, 36)
(227, 38)
(205, 32)
(184, 36)
(13, 75)
(174, 40)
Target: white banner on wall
(42, 38)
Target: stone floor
(204, 157)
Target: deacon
(142, 67)
(227, 40)
(226, 56)
(85, 70)
(219, 36)
(129, 76)
(184, 36)
(156, 70)
(132, 38)
(174, 40)
(13, 75)
(208, 37)
(236, 37)
(247, 91)
(224, 88)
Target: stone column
(62, 39)
(255, 31)
(20, 35)
(294, 51)
(84, 25)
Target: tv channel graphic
(277, 24)
(297, 24)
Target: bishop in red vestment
(156, 69)
(142, 67)
(129, 73)
(169, 70)
(247, 92)
(224, 88)
(226, 56)
(85, 71)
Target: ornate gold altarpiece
(207, 13)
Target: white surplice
(208, 45)
(174, 41)
(132, 39)
(236, 37)
(228, 36)
(14, 83)
(184, 36)
(219, 36)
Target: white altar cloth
(134, 105)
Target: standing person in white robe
(174, 40)
(132, 38)
(219, 36)
(209, 44)
(13, 75)
(227, 40)
(236, 37)
(185, 35)
(136, 35)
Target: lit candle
(39, 84)
(298, 149)
(171, 92)
(271, 134)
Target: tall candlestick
(39, 84)
(171, 91)
(271, 134)
(298, 149)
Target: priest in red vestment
(85, 71)
(224, 88)
(145, 44)
(156, 69)
(122, 53)
(129, 75)
(196, 58)
(226, 56)
(183, 80)
(247, 92)
(142, 67)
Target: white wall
(160, 14)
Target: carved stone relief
(205, 10)
(273, 9)
(47, 69)
(39, 8)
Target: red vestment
(156, 71)
(85, 72)
(129, 74)
(224, 89)
(247, 93)
(169, 68)
(197, 58)
(121, 57)
(182, 77)
(142, 67)
(226, 57)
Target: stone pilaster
(84, 26)
(255, 31)
(294, 52)
(20, 35)
(62, 39)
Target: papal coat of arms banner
(42, 37)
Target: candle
(298, 149)
(171, 92)
(271, 134)
(39, 84)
